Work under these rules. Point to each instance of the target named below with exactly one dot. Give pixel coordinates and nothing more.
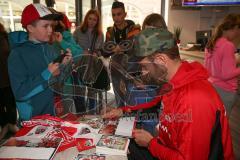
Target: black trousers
(138, 153)
(8, 113)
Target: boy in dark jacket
(30, 65)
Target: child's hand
(58, 36)
(68, 57)
(54, 68)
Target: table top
(71, 153)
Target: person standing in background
(8, 114)
(154, 20)
(62, 39)
(121, 30)
(90, 37)
(90, 29)
(220, 59)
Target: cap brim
(52, 17)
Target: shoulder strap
(92, 47)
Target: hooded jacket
(193, 123)
(30, 77)
(131, 31)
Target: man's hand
(142, 137)
(117, 49)
(113, 114)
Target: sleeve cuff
(46, 74)
(152, 145)
(125, 109)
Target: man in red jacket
(193, 123)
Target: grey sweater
(85, 39)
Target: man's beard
(149, 79)
(157, 76)
(160, 82)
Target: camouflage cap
(151, 40)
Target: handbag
(96, 74)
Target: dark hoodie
(30, 78)
(116, 35)
(188, 118)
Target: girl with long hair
(220, 59)
(90, 27)
(90, 37)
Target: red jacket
(189, 118)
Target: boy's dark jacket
(30, 77)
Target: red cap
(66, 21)
(36, 11)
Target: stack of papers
(112, 145)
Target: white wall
(143, 7)
(189, 20)
(193, 20)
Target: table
(71, 153)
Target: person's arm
(118, 112)
(161, 151)
(229, 69)
(76, 35)
(134, 32)
(146, 105)
(190, 139)
(67, 41)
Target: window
(135, 11)
(10, 11)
